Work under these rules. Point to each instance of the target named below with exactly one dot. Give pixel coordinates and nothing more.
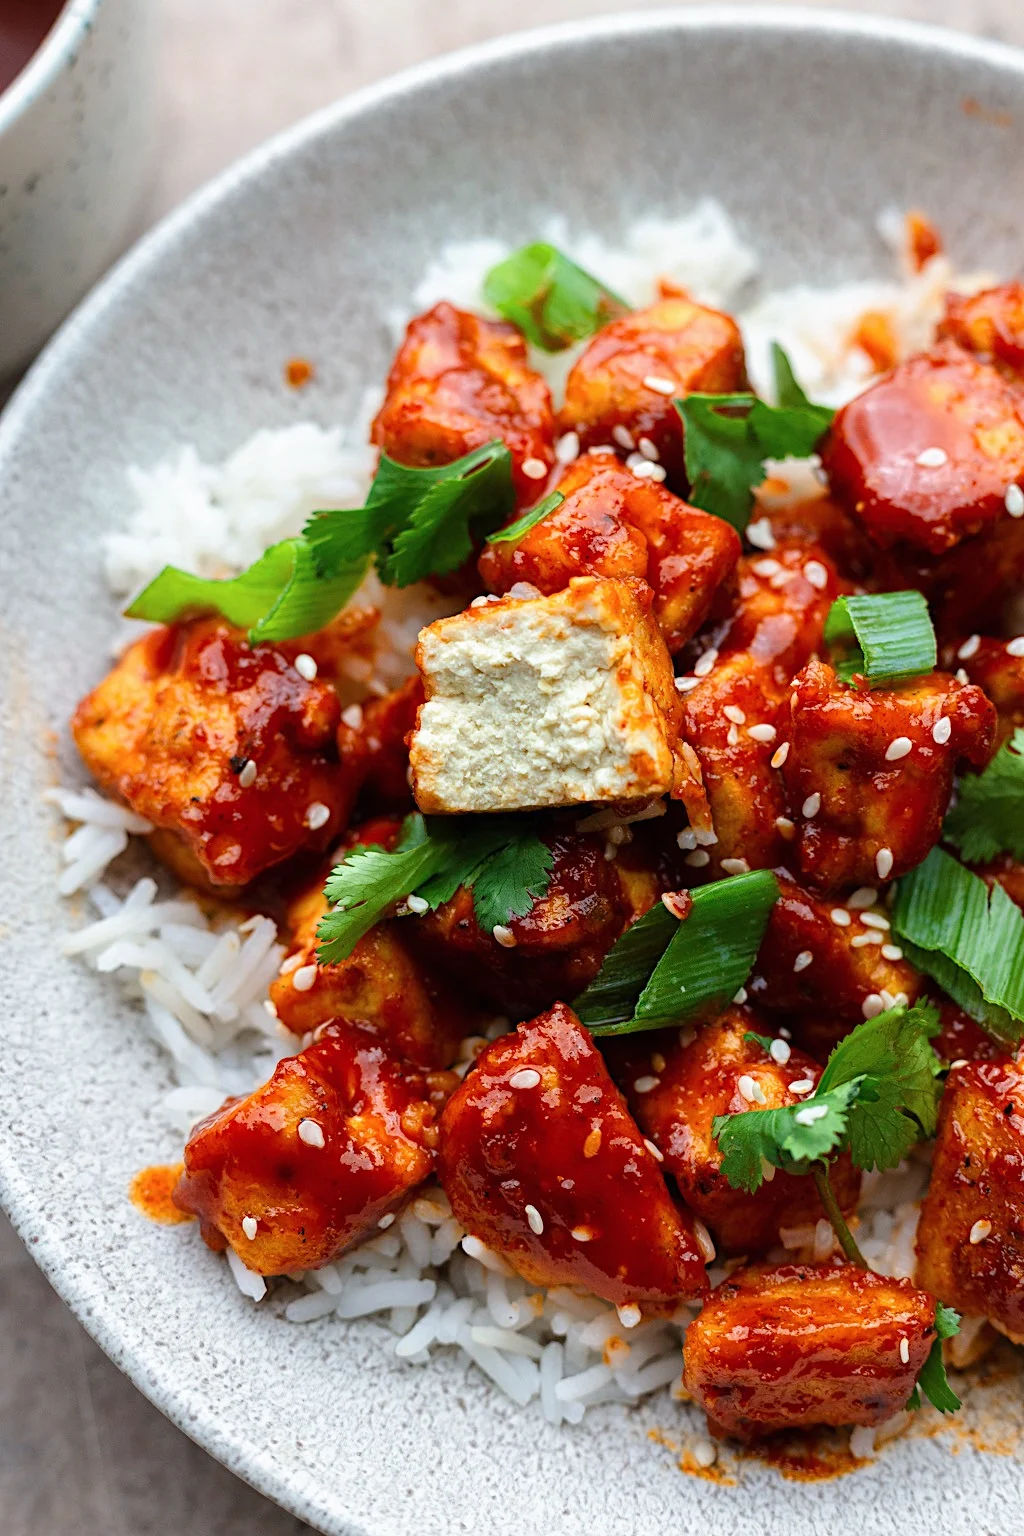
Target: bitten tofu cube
(970, 1239)
(806, 1344)
(557, 700)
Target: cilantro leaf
(891, 1059)
(418, 522)
(884, 636)
(280, 596)
(508, 883)
(789, 394)
(764, 1041)
(552, 300)
(368, 882)
(522, 525)
(988, 818)
(932, 1378)
(790, 1138)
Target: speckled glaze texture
(805, 127)
(76, 152)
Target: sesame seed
(761, 732)
(1015, 647)
(677, 903)
(289, 965)
(735, 867)
(899, 747)
(760, 533)
(884, 863)
(980, 1231)
(646, 1084)
(353, 717)
(704, 1242)
(629, 1315)
(876, 920)
(304, 977)
(905, 1350)
(687, 1035)
(661, 386)
(803, 960)
(705, 836)
(811, 806)
(932, 458)
(961, 676)
(746, 1086)
(503, 936)
(658, 1062)
(270, 1006)
(643, 469)
(816, 574)
(891, 952)
(872, 1006)
(684, 684)
(686, 839)
(767, 567)
(969, 648)
(535, 469)
(768, 1170)
(863, 896)
(624, 437)
(526, 1077)
(568, 448)
(534, 1218)
(581, 1234)
(735, 714)
(317, 815)
(706, 662)
(961, 1061)
(592, 1145)
(655, 1152)
(840, 917)
(417, 905)
(600, 448)
(810, 1113)
(740, 997)
(705, 1453)
(386, 1221)
(1013, 501)
(311, 1133)
(785, 827)
(480, 602)
(648, 449)
(698, 858)
(802, 1085)
(942, 730)
(306, 666)
(247, 775)
(862, 940)
(249, 1227)
(780, 1051)
(732, 738)
(780, 754)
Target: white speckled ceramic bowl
(76, 146)
(805, 126)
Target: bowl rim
(54, 53)
(88, 1300)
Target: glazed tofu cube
(970, 1239)
(613, 524)
(632, 369)
(783, 599)
(805, 1344)
(925, 455)
(997, 666)
(307, 1165)
(544, 1165)
(223, 746)
(822, 959)
(694, 1082)
(990, 323)
(869, 773)
(457, 383)
(556, 948)
(546, 701)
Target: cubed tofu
(970, 1239)
(544, 1165)
(458, 382)
(676, 1089)
(961, 1039)
(557, 947)
(744, 791)
(781, 603)
(380, 985)
(989, 323)
(999, 670)
(613, 524)
(373, 744)
(546, 701)
(308, 1165)
(868, 780)
(820, 958)
(926, 454)
(632, 369)
(224, 747)
(805, 1344)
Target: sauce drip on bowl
(23, 25)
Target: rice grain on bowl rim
(201, 983)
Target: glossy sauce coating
(992, 666)
(173, 729)
(989, 323)
(375, 751)
(259, 1159)
(550, 1171)
(800, 1344)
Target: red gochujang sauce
(23, 25)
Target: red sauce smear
(23, 25)
(150, 1192)
(298, 372)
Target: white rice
(201, 984)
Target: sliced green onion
(970, 939)
(988, 818)
(527, 521)
(612, 996)
(279, 597)
(888, 636)
(552, 300)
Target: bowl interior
(805, 128)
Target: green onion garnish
(886, 637)
(552, 300)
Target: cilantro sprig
(500, 858)
(885, 637)
(988, 818)
(932, 1376)
(552, 300)
(728, 438)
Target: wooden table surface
(81, 1452)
